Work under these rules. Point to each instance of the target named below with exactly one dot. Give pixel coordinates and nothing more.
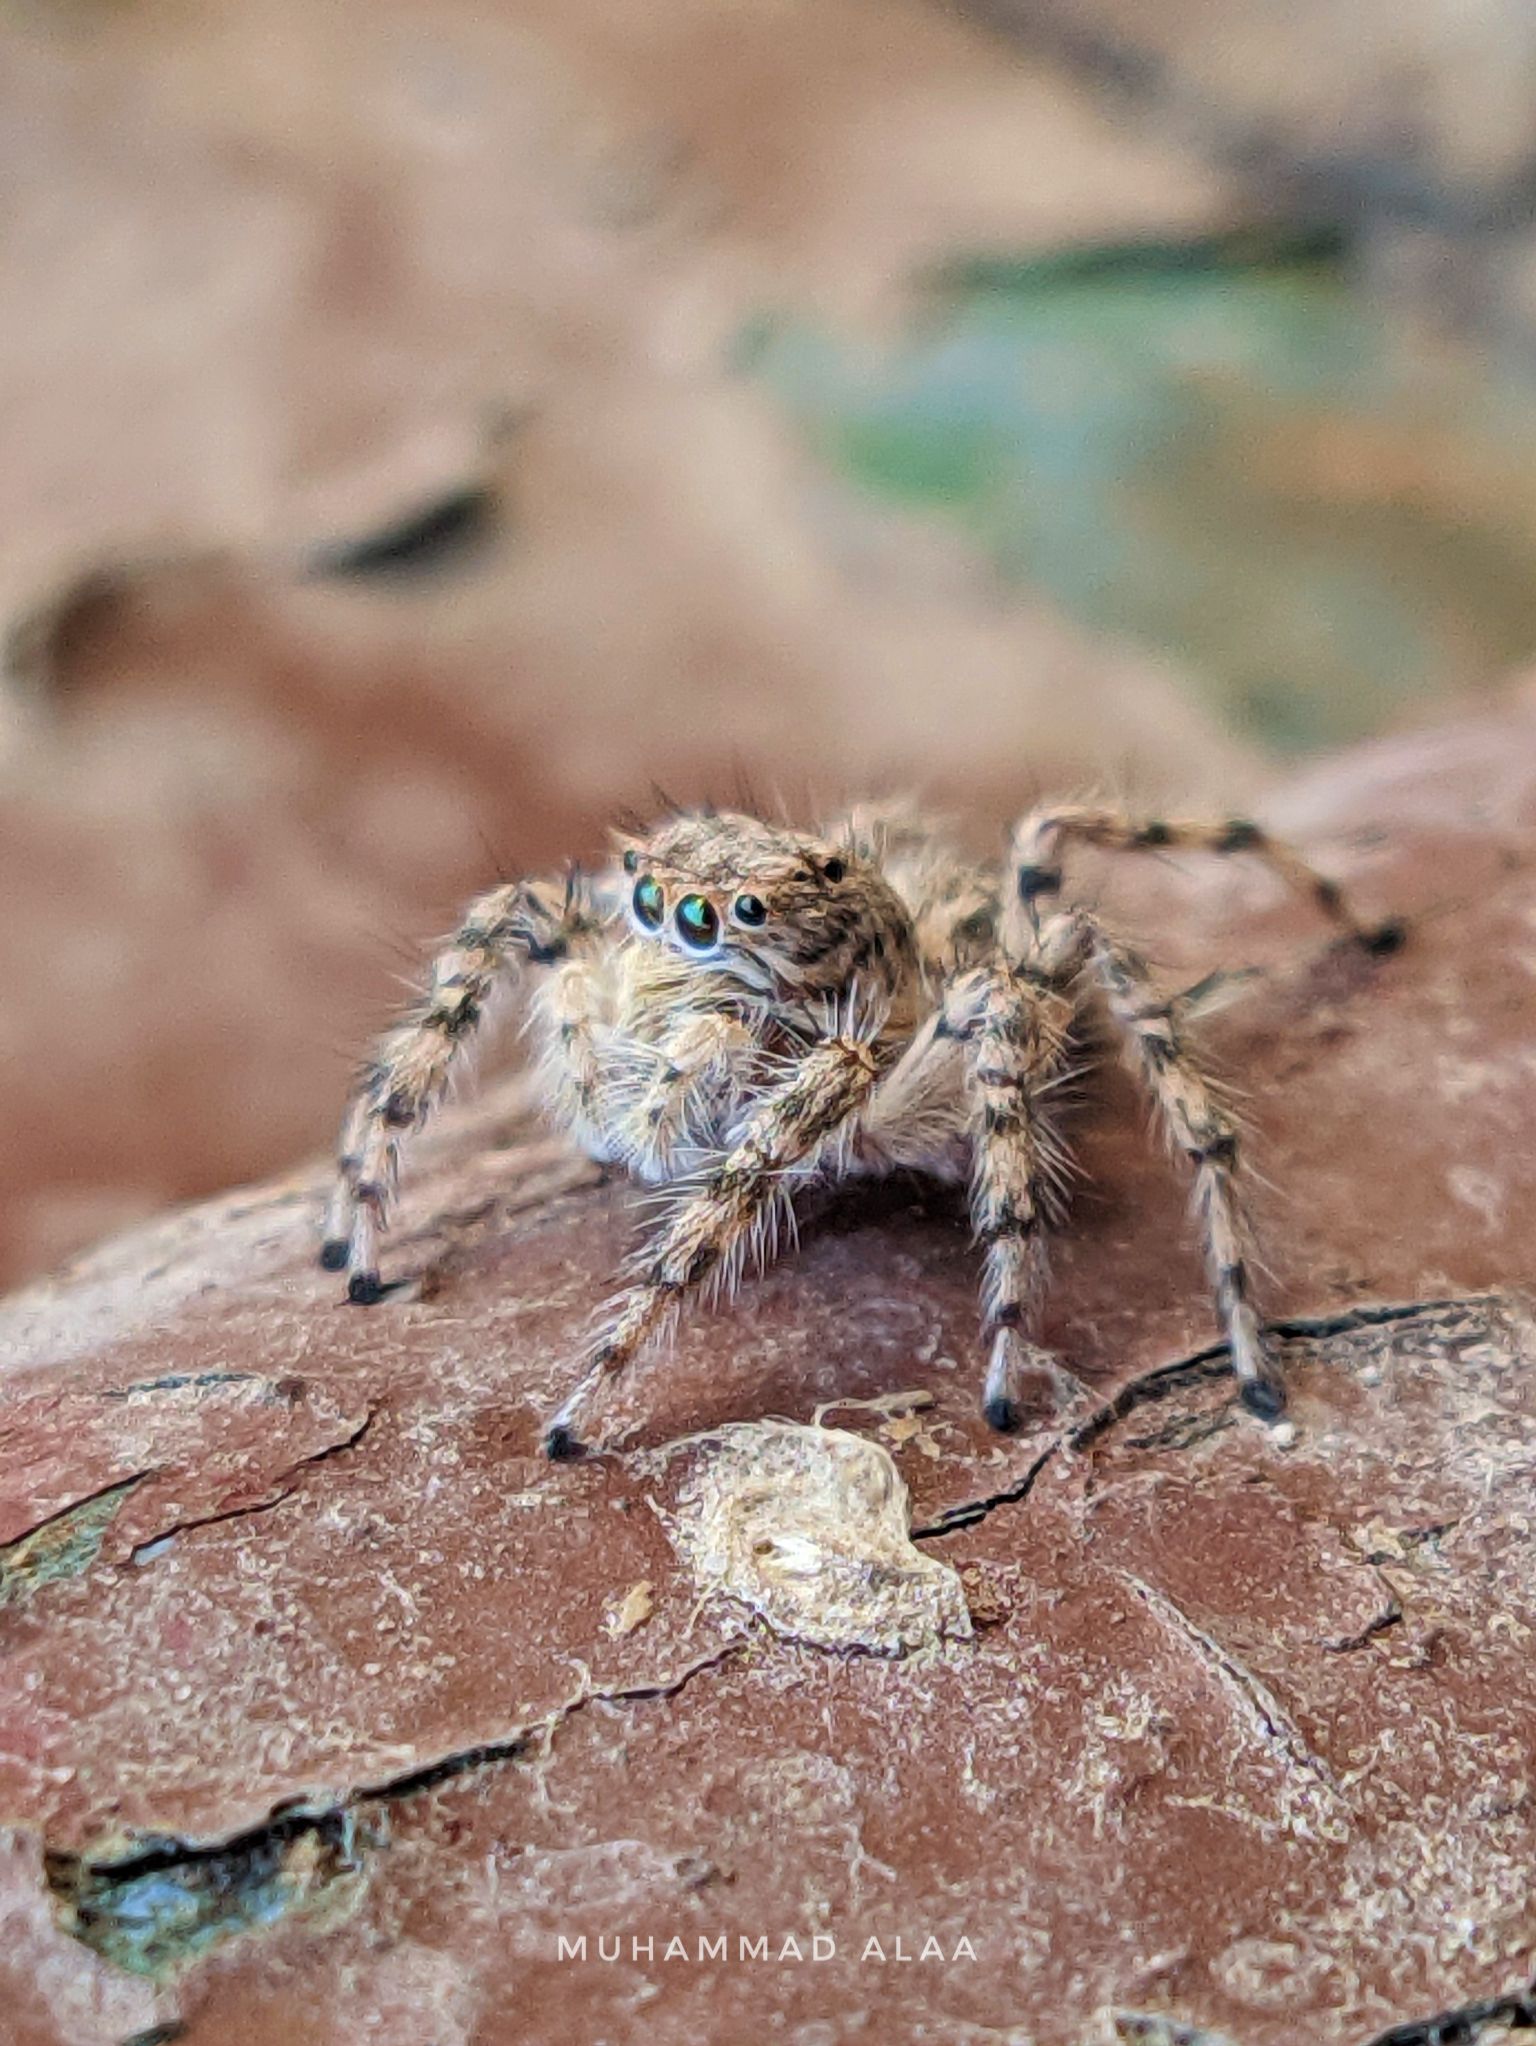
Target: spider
(735, 1010)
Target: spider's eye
(631, 860)
(697, 922)
(834, 870)
(650, 904)
(750, 910)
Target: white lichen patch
(809, 1528)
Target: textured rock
(331, 1708)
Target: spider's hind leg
(1018, 1040)
(1045, 832)
(1206, 1131)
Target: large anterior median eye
(650, 904)
(697, 922)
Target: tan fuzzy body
(734, 1009)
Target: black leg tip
(1385, 938)
(333, 1255)
(1003, 1414)
(364, 1288)
(1263, 1398)
(562, 1446)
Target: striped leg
(413, 1065)
(1201, 1126)
(718, 1218)
(1040, 839)
(1017, 1043)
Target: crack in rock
(1205, 1366)
(159, 1909)
(1466, 2026)
(178, 1381)
(1390, 1616)
(973, 1511)
(155, 1544)
(1265, 1714)
(166, 1906)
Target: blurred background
(427, 427)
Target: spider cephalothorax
(791, 916)
(739, 1009)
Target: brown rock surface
(330, 1708)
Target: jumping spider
(737, 1009)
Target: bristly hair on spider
(734, 1010)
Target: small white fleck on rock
(631, 1611)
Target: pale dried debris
(632, 1610)
(809, 1527)
(901, 1425)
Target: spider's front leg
(413, 1065)
(788, 1131)
(663, 1111)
